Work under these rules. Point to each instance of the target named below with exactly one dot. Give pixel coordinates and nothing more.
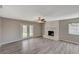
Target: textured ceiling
(31, 12)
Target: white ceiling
(31, 12)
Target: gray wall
(63, 31)
(51, 26)
(12, 30)
(0, 30)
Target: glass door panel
(24, 31)
(31, 30)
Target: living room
(39, 29)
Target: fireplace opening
(51, 33)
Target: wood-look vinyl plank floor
(39, 46)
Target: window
(74, 28)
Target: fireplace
(51, 33)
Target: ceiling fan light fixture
(41, 20)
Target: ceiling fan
(41, 20)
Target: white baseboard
(17, 40)
(9, 42)
(70, 41)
